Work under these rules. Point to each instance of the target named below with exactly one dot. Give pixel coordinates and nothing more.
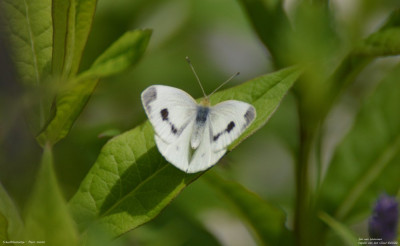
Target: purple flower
(384, 220)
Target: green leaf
(47, 216)
(11, 225)
(109, 133)
(270, 22)
(60, 10)
(3, 228)
(384, 42)
(29, 29)
(121, 54)
(267, 220)
(125, 52)
(69, 104)
(341, 230)
(176, 226)
(28, 26)
(130, 182)
(366, 162)
(80, 18)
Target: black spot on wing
(215, 138)
(228, 129)
(230, 126)
(173, 128)
(249, 115)
(149, 96)
(164, 114)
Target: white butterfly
(191, 136)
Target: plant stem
(303, 223)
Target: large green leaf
(122, 54)
(28, 27)
(366, 163)
(48, 218)
(9, 217)
(267, 220)
(130, 183)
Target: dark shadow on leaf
(139, 192)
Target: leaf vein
(32, 43)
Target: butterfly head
(205, 102)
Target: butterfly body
(192, 136)
(202, 113)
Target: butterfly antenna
(230, 78)
(195, 74)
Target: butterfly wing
(204, 156)
(228, 120)
(177, 152)
(170, 111)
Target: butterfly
(191, 136)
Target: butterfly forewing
(169, 110)
(228, 120)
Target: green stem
(304, 217)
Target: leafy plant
(130, 182)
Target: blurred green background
(220, 41)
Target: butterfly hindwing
(178, 151)
(204, 156)
(170, 111)
(228, 120)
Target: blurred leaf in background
(47, 217)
